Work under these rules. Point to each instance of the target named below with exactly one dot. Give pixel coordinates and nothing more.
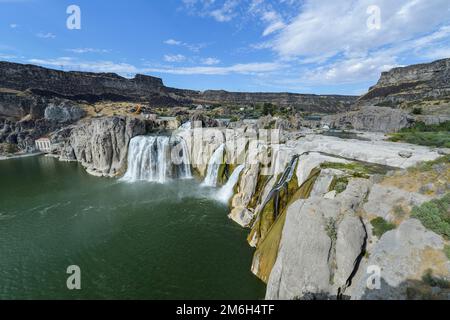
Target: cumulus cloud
(340, 27)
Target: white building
(43, 145)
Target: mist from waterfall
(213, 167)
(150, 159)
(226, 192)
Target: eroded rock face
(101, 145)
(64, 113)
(370, 118)
(416, 82)
(321, 243)
(77, 85)
(246, 188)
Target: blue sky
(305, 46)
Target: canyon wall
(429, 81)
(95, 87)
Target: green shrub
(433, 281)
(330, 228)
(430, 139)
(381, 226)
(435, 135)
(435, 215)
(417, 111)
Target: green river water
(131, 241)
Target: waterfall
(184, 169)
(149, 159)
(213, 167)
(226, 192)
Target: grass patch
(428, 165)
(437, 135)
(447, 251)
(381, 226)
(358, 169)
(435, 215)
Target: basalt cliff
(24, 87)
(406, 85)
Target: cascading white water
(184, 168)
(213, 167)
(226, 192)
(149, 159)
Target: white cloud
(245, 68)
(174, 58)
(173, 42)
(221, 11)
(88, 50)
(69, 63)
(47, 35)
(340, 27)
(226, 12)
(210, 61)
(13, 25)
(274, 20)
(350, 70)
(192, 47)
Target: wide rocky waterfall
(214, 166)
(150, 159)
